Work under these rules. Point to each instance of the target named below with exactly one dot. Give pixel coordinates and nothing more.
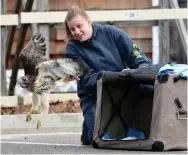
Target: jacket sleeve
(132, 55)
(89, 80)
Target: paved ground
(56, 143)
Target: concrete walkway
(16, 124)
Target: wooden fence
(119, 18)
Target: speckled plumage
(32, 55)
(41, 73)
(51, 71)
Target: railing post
(164, 36)
(44, 28)
(3, 49)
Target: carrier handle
(176, 79)
(181, 110)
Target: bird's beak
(77, 78)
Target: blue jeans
(89, 122)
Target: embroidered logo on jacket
(136, 52)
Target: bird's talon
(28, 117)
(38, 124)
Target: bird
(42, 73)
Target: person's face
(80, 28)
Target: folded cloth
(173, 68)
(166, 69)
(180, 69)
(132, 134)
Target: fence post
(44, 28)
(178, 35)
(164, 36)
(3, 49)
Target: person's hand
(71, 79)
(128, 71)
(124, 70)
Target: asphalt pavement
(57, 143)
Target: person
(98, 48)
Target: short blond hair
(72, 12)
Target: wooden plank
(57, 34)
(138, 32)
(155, 44)
(58, 47)
(112, 4)
(181, 27)
(3, 90)
(164, 36)
(95, 4)
(133, 32)
(121, 24)
(11, 5)
(101, 16)
(60, 5)
(44, 28)
(6, 20)
(155, 37)
(177, 53)
(127, 4)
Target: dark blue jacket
(109, 49)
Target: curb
(14, 101)
(67, 122)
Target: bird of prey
(42, 73)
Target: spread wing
(33, 54)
